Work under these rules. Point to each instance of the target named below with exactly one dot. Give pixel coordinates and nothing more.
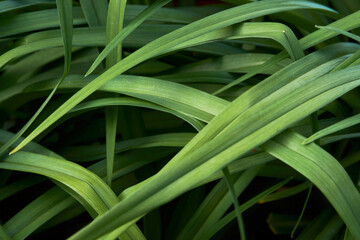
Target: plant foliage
(179, 119)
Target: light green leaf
(82, 184)
(119, 37)
(340, 31)
(322, 170)
(346, 23)
(235, 131)
(66, 23)
(165, 43)
(346, 123)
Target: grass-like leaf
(222, 19)
(125, 32)
(326, 175)
(147, 120)
(95, 12)
(66, 23)
(346, 123)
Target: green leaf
(95, 12)
(82, 184)
(318, 224)
(87, 185)
(66, 23)
(119, 37)
(298, 222)
(181, 98)
(9, 5)
(238, 137)
(37, 20)
(216, 203)
(230, 216)
(239, 217)
(234, 63)
(322, 170)
(89, 153)
(345, 23)
(3, 234)
(111, 125)
(37, 213)
(340, 31)
(346, 123)
(286, 192)
(165, 43)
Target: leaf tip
(13, 151)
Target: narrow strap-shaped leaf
(267, 30)
(340, 31)
(318, 224)
(239, 217)
(234, 63)
(82, 184)
(55, 200)
(3, 234)
(37, 212)
(95, 37)
(125, 32)
(88, 153)
(66, 23)
(296, 70)
(114, 24)
(286, 192)
(9, 5)
(209, 159)
(202, 105)
(5, 136)
(216, 203)
(331, 229)
(81, 181)
(159, 46)
(323, 170)
(302, 211)
(346, 123)
(7, 145)
(351, 61)
(111, 116)
(243, 207)
(124, 101)
(348, 22)
(95, 12)
(34, 21)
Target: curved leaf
(302, 96)
(163, 44)
(351, 121)
(322, 170)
